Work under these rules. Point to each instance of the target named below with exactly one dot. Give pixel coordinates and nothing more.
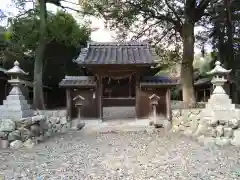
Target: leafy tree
(169, 61)
(173, 20)
(64, 38)
(203, 64)
(225, 18)
(38, 100)
(168, 58)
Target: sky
(102, 34)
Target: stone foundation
(185, 120)
(56, 121)
(25, 132)
(188, 122)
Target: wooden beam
(115, 70)
(204, 95)
(130, 86)
(137, 95)
(100, 96)
(168, 104)
(69, 104)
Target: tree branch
(76, 10)
(152, 14)
(199, 10)
(70, 2)
(139, 35)
(26, 12)
(164, 35)
(174, 12)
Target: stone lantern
(154, 102)
(15, 73)
(219, 110)
(218, 80)
(15, 106)
(79, 102)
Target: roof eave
(129, 64)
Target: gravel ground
(121, 155)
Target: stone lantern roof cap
(218, 69)
(16, 70)
(154, 96)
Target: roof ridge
(131, 52)
(128, 43)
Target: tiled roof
(202, 81)
(157, 80)
(78, 81)
(117, 53)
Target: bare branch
(199, 10)
(70, 2)
(152, 14)
(76, 10)
(139, 35)
(174, 12)
(26, 12)
(164, 34)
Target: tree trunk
(230, 60)
(187, 64)
(38, 98)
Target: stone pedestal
(15, 106)
(19, 127)
(219, 108)
(220, 117)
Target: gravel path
(123, 156)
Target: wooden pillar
(69, 104)
(196, 95)
(6, 90)
(204, 95)
(130, 86)
(168, 104)
(137, 96)
(100, 96)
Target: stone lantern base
(15, 107)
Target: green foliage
(203, 64)
(225, 34)
(159, 21)
(2, 35)
(61, 28)
(168, 58)
(64, 39)
(168, 61)
(140, 17)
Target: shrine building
(119, 74)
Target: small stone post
(79, 102)
(154, 102)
